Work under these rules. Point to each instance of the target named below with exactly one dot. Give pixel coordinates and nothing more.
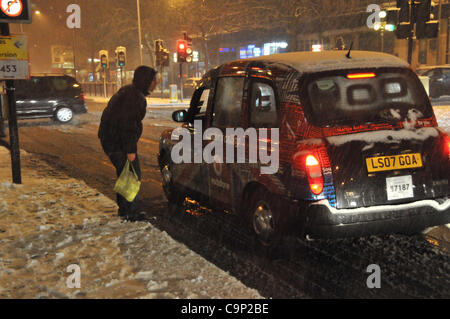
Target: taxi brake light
(447, 145)
(311, 161)
(354, 76)
(314, 173)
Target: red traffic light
(181, 45)
(181, 50)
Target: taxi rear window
(355, 96)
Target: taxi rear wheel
(262, 217)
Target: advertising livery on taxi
(360, 152)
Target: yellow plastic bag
(128, 183)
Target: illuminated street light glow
(316, 47)
(377, 26)
(382, 14)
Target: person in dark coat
(121, 127)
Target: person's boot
(135, 216)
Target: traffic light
(189, 50)
(103, 54)
(160, 53)
(165, 57)
(392, 16)
(158, 45)
(403, 31)
(434, 12)
(121, 54)
(424, 28)
(403, 15)
(181, 50)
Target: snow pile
(385, 136)
(334, 60)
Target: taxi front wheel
(173, 195)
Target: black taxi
(359, 151)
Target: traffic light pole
(12, 122)
(121, 77)
(410, 48)
(162, 82)
(104, 82)
(411, 35)
(181, 82)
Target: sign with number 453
(10, 70)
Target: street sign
(14, 58)
(15, 11)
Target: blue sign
(250, 51)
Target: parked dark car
(439, 79)
(57, 97)
(360, 152)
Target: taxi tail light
(314, 173)
(447, 144)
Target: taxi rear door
(226, 113)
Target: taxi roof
(333, 60)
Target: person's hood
(143, 78)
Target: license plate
(394, 162)
(399, 187)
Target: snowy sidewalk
(53, 221)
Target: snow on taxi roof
(334, 60)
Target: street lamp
(383, 26)
(139, 28)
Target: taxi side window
(228, 102)
(263, 108)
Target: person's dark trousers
(2, 128)
(119, 159)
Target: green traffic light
(390, 27)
